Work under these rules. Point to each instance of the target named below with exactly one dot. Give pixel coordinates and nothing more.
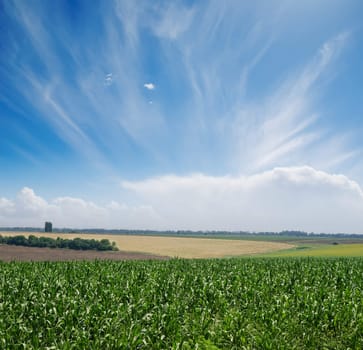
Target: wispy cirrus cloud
(277, 127)
(282, 127)
(172, 20)
(67, 94)
(207, 58)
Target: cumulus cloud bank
(301, 198)
(283, 198)
(28, 209)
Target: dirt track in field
(18, 253)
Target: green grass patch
(323, 250)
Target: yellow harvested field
(176, 246)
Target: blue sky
(182, 114)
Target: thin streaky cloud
(280, 129)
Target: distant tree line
(289, 233)
(48, 242)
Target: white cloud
(29, 201)
(28, 209)
(108, 79)
(149, 86)
(282, 198)
(6, 207)
(300, 198)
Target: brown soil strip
(18, 253)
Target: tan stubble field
(181, 247)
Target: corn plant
(275, 303)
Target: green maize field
(257, 303)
